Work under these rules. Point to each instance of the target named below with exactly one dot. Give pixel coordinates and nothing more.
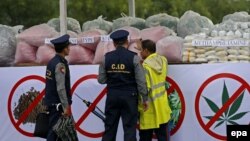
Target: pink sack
(101, 50)
(36, 35)
(44, 54)
(170, 47)
(80, 55)
(135, 47)
(25, 53)
(134, 33)
(134, 39)
(156, 33)
(95, 34)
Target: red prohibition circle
(207, 126)
(90, 108)
(173, 87)
(29, 109)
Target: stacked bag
(175, 39)
(232, 37)
(90, 45)
(7, 45)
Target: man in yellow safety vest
(155, 118)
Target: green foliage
(27, 12)
(175, 105)
(33, 12)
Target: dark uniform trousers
(161, 133)
(54, 116)
(121, 103)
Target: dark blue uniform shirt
(51, 88)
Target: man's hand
(145, 106)
(67, 111)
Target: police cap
(61, 42)
(119, 35)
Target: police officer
(57, 89)
(122, 72)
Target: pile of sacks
(228, 41)
(92, 42)
(89, 47)
(175, 38)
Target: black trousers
(53, 118)
(161, 133)
(120, 104)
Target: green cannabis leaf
(229, 116)
(175, 105)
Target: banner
(204, 98)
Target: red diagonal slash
(26, 113)
(90, 108)
(236, 94)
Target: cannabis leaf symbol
(229, 116)
(175, 105)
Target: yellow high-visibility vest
(159, 110)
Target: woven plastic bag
(65, 129)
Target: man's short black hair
(121, 42)
(59, 50)
(149, 45)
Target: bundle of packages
(134, 39)
(84, 50)
(192, 23)
(228, 41)
(89, 39)
(156, 33)
(162, 19)
(72, 24)
(35, 35)
(242, 16)
(107, 45)
(171, 47)
(99, 23)
(80, 55)
(7, 45)
(25, 53)
(128, 21)
(217, 54)
(44, 54)
(134, 33)
(47, 51)
(29, 42)
(102, 48)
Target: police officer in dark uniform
(122, 72)
(57, 89)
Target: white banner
(210, 96)
(222, 43)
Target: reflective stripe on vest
(156, 86)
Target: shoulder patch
(48, 74)
(62, 69)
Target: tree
(27, 12)
(33, 12)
